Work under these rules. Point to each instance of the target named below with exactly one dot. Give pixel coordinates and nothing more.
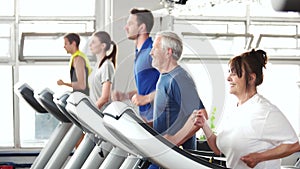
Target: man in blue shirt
(138, 28)
(176, 95)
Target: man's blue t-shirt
(145, 76)
(175, 99)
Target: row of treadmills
(115, 138)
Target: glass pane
(280, 46)
(271, 28)
(5, 47)
(61, 8)
(7, 8)
(5, 30)
(208, 39)
(6, 100)
(54, 26)
(33, 46)
(279, 40)
(215, 45)
(209, 27)
(35, 128)
(5, 40)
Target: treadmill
(88, 115)
(67, 144)
(27, 93)
(122, 121)
(89, 142)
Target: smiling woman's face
(237, 84)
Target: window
(287, 46)
(35, 128)
(48, 46)
(6, 114)
(213, 45)
(29, 53)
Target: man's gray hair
(171, 40)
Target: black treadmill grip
(46, 99)
(28, 94)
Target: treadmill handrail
(87, 101)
